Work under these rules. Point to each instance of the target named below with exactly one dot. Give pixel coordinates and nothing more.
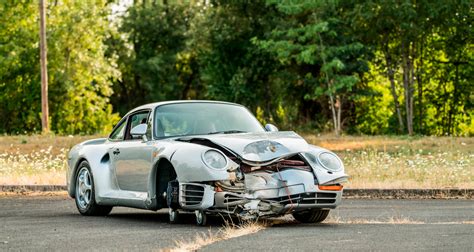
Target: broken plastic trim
(253, 163)
(339, 180)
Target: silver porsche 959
(205, 157)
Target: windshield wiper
(227, 132)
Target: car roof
(155, 104)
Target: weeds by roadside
(228, 231)
(371, 161)
(379, 169)
(403, 162)
(36, 159)
(39, 167)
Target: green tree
(79, 73)
(20, 92)
(327, 59)
(232, 67)
(411, 40)
(152, 54)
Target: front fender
(324, 176)
(189, 166)
(73, 161)
(97, 157)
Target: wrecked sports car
(205, 157)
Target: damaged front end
(266, 180)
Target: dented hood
(261, 147)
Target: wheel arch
(163, 172)
(72, 182)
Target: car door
(132, 157)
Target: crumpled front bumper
(277, 206)
(266, 194)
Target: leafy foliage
(371, 67)
(19, 67)
(233, 69)
(158, 67)
(328, 57)
(425, 50)
(78, 71)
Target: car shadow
(162, 217)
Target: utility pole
(44, 68)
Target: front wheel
(201, 218)
(173, 215)
(311, 216)
(85, 193)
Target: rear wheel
(311, 216)
(85, 193)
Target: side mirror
(270, 127)
(139, 130)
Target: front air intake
(191, 194)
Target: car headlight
(330, 161)
(214, 159)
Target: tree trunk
(407, 81)
(419, 76)
(454, 102)
(44, 68)
(333, 110)
(339, 110)
(411, 74)
(268, 104)
(391, 77)
(188, 82)
(331, 95)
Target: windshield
(183, 119)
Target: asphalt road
(372, 225)
(52, 223)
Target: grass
(371, 161)
(24, 193)
(35, 160)
(403, 162)
(227, 231)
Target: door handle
(116, 151)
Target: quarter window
(119, 131)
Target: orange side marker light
(330, 187)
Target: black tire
(173, 216)
(85, 193)
(165, 174)
(311, 216)
(201, 218)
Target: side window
(119, 131)
(134, 120)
